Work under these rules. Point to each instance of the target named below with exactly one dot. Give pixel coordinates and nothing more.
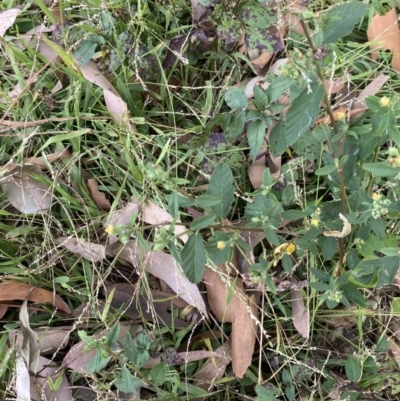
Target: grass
(175, 110)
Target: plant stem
(340, 142)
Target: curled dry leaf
(7, 19)
(239, 309)
(22, 387)
(163, 266)
(115, 105)
(77, 359)
(15, 290)
(346, 230)
(27, 194)
(49, 340)
(300, 313)
(214, 368)
(99, 198)
(29, 347)
(383, 33)
(81, 247)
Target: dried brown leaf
(77, 359)
(229, 303)
(40, 388)
(115, 105)
(163, 266)
(99, 198)
(300, 314)
(15, 290)
(7, 19)
(214, 368)
(26, 193)
(81, 247)
(29, 347)
(184, 357)
(3, 310)
(384, 33)
(49, 340)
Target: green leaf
(236, 99)
(260, 98)
(194, 258)
(221, 187)
(236, 125)
(158, 374)
(353, 294)
(207, 200)
(303, 112)
(85, 51)
(255, 136)
(267, 179)
(293, 215)
(271, 236)
(113, 335)
(381, 169)
(277, 140)
(202, 222)
(329, 248)
(127, 383)
(137, 356)
(353, 369)
(326, 170)
(280, 84)
(340, 20)
(264, 395)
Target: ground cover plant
(199, 200)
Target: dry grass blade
(163, 266)
(81, 247)
(384, 34)
(15, 290)
(346, 230)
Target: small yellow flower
(221, 244)
(290, 248)
(341, 115)
(376, 196)
(314, 222)
(110, 229)
(287, 248)
(385, 101)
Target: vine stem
(328, 108)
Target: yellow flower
(110, 229)
(376, 196)
(314, 222)
(221, 244)
(385, 101)
(341, 115)
(287, 248)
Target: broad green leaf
(236, 125)
(267, 179)
(127, 383)
(280, 84)
(194, 258)
(255, 136)
(329, 248)
(271, 236)
(207, 200)
(303, 112)
(293, 214)
(340, 20)
(221, 186)
(85, 51)
(113, 335)
(158, 373)
(236, 99)
(326, 170)
(264, 395)
(260, 98)
(381, 169)
(136, 355)
(353, 294)
(277, 140)
(202, 222)
(353, 369)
